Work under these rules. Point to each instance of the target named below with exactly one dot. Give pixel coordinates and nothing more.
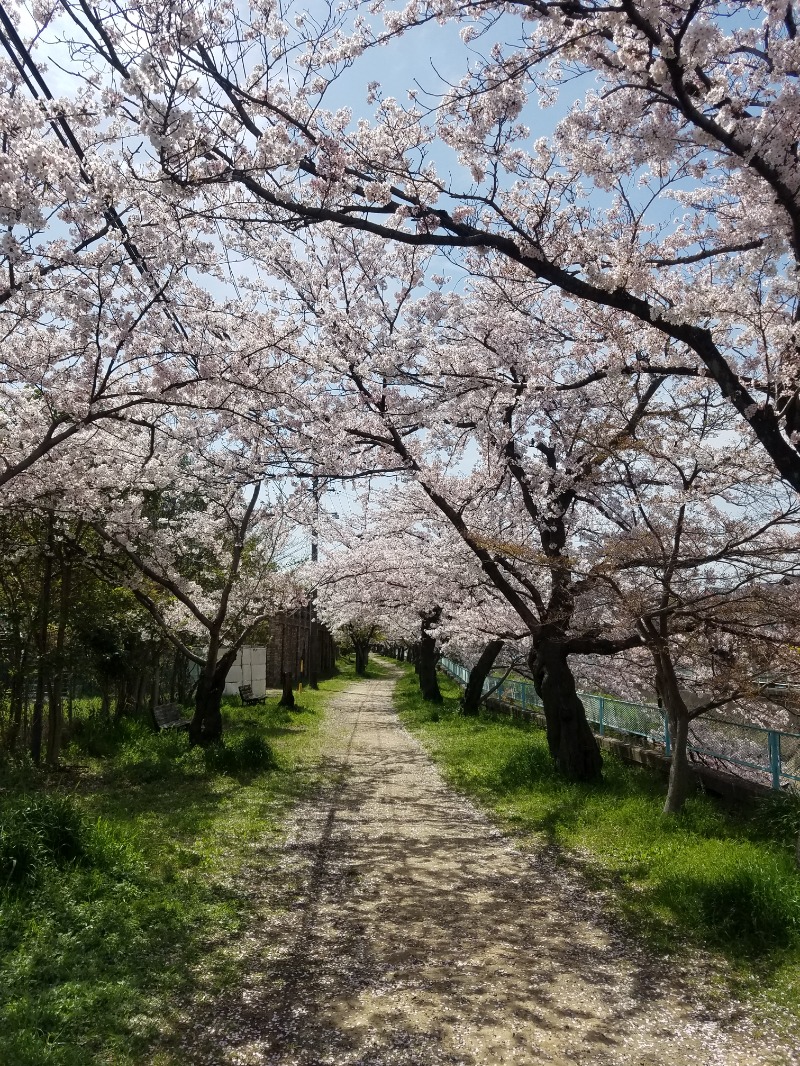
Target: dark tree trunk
(138, 693)
(122, 697)
(43, 621)
(37, 718)
(471, 700)
(362, 657)
(287, 696)
(180, 691)
(55, 718)
(680, 775)
(17, 701)
(425, 662)
(205, 727)
(155, 684)
(569, 737)
(313, 653)
(16, 694)
(173, 676)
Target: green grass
(719, 876)
(120, 899)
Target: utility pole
(313, 625)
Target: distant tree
(206, 571)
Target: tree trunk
(362, 657)
(425, 662)
(313, 653)
(205, 727)
(173, 676)
(121, 700)
(16, 695)
(287, 696)
(180, 691)
(37, 718)
(55, 717)
(37, 721)
(105, 699)
(138, 693)
(680, 775)
(569, 737)
(669, 693)
(155, 686)
(17, 700)
(471, 700)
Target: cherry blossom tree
(397, 566)
(700, 554)
(111, 310)
(665, 200)
(199, 538)
(508, 447)
(648, 244)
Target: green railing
(752, 751)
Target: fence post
(667, 739)
(774, 747)
(524, 687)
(601, 704)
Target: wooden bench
(170, 716)
(247, 697)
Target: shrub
(778, 817)
(243, 753)
(94, 736)
(736, 893)
(146, 756)
(153, 756)
(40, 831)
(525, 766)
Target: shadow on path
(411, 932)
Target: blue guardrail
(750, 751)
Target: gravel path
(417, 934)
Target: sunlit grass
(719, 876)
(129, 902)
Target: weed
(249, 752)
(40, 831)
(733, 892)
(123, 899)
(526, 765)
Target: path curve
(416, 935)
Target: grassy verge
(718, 876)
(120, 888)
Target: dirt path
(418, 935)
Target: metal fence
(766, 755)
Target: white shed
(250, 668)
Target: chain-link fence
(766, 755)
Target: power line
(23, 61)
